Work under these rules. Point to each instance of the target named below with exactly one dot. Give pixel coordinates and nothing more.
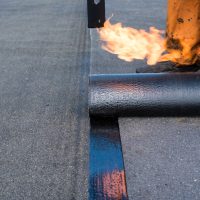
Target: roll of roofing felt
(145, 95)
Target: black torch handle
(145, 95)
(96, 13)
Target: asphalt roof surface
(46, 54)
(44, 66)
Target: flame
(130, 44)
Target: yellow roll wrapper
(183, 30)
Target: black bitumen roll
(145, 95)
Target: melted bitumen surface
(107, 179)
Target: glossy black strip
(107, 175)
(96, 13)
(145, 95)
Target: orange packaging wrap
(183, 30)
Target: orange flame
(129, 43)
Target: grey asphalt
(44, 66)
(162, 155)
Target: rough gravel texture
(44, 66)
(162, 157)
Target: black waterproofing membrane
(107, 175)
(111, 96)
(161, 94)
